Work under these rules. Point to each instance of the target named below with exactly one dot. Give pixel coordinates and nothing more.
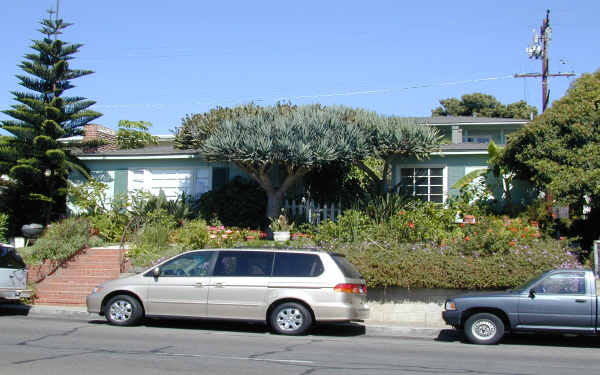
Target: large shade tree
(36, 162)
(478, 104)
(560, 150)
(261, 141)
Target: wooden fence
(313, 212)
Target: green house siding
(121, 176)
(217, 175)
(457, 166)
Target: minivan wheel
(123, 310)
(290, 318)
(484, 329)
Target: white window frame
(428, 166)
(146, 185)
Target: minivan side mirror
(156, 271)
(532, 293)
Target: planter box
(281, 236)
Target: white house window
(173, 182)
(426, 183)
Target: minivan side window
(9, 258)
(196, 264)
(244, 263)
(297, 265)
(347, 268)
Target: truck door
(559, 300)
(12, 269)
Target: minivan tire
(123, 310)
(484, 329)
(290, 318)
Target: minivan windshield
(9, 258)
(347, 268)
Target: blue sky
(157, 60)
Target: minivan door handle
(218, 285)
(580, 300)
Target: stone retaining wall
(410, 307)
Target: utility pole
(539, 50)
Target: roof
(467, 146)
(469, 120)
(164, 151)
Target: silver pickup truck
(13, 274)
(559, 301)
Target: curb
(80, 313)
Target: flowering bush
(435, 266)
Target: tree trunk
(273, 204)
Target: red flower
(467, 238)
(411, 225)
(401, 213)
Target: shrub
(62, 239)
(351, 226)
(192, 235)
(3, 226)
(239, 203)
(422, 222)
(433, 266)
(153, 237)
(110, 226)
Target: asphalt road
(59, 346)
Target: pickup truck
(559, 301)
(13, 274)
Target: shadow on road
(332, 329)
(545, 339)
(13, 308)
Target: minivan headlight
(450, 306)
(97, 289)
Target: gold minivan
(288, 289)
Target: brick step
(91, 262)
(71, 291)
(78, 280)
(58, 284)
(98, 270)
(78, 267)
(52, 303)
(69, 301)
(87, 272)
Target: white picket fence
(314, 212)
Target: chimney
(457, 136)
(106, 138)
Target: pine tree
(36, 162)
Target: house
(465, 149)
(162, 167)
(152, 168)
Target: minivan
(289, 290)
(13, 274)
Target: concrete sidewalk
(372, 328)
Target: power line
(324, 95)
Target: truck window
(562, 283)
(9, 258)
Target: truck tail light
(351, 288)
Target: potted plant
(281, 227)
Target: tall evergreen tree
(36, 162)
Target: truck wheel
(123, 310)
(484, 329)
